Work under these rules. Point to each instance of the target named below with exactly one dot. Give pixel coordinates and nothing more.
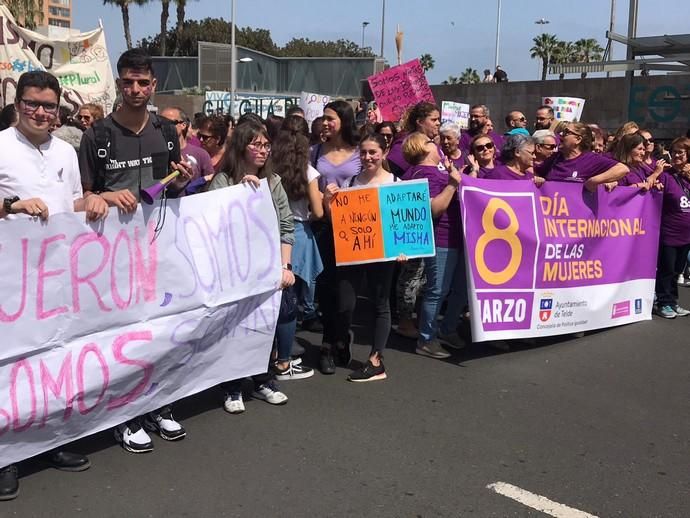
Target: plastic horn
(149, 194)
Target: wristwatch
(7, 204)
(287, 266)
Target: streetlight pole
(498, 32)
(233, 61)
(383, 25)
(364, 26)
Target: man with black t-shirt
(119, 156)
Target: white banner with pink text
(102, 322)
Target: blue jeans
(306, 292)
(445, 277)
(285, 335)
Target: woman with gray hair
(450, 142)
(517, 156)
(546, 144)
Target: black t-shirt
(134, 162)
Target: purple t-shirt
(503, 172)
(578, 169)
(330, 173)
(395, 156)
(201, 164)
(637, 174)
(483, 171)
(466, 140)
(193, 141)
(675, 212)
(447, 229)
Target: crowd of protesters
(305, 168)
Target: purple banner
(534, 249)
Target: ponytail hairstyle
(290, 156)
(419, 111)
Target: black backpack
(103, 139)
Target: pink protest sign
(400, 87)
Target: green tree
(427, 62)
(124, 7)
(26, 12)
(165, 14)
(304, 47)
(588, 50)
(452, 80)
(181, 14)
(469, 77)
(563, 54)
(544, 47)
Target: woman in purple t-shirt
(482, 156)
(631, 151)
(517, 157)
(675, 231)
(337, 160)
(450, 140)
(576, 162)
(445, 272)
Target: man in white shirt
(39, 176)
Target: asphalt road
(599, 424)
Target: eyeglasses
(521, 119)
(33, 106)
(550, 147)
(482, 147)
(567, 132)
(544, 118)
(678, 152)
(178, 121)
(261, 146)
(203, 136)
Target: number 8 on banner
(493, 233)
(502, 244)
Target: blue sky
(458, 34)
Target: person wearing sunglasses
(482, 157)
(479, 119)
(212, 134)
(649, 159)
(388, 130)
(445, 272)
(545, 145)
(515, 120)
(675, 231)
(575, 162)
(89, 113)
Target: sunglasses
(567, 132)
(33, 106)
(548, 146)
(521, 119)
(482, 147)
(203, 136)
(648, 141)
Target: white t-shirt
(50, 172)
(300, 208)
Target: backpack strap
(103, 140)
(167, 128)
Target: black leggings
(378, 278)
(326, 282)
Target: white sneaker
(165, 425)
(133, 437)
(269, 392)
(681, 280)
(234, 403)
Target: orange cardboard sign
(357, 229)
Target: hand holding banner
(379, 223)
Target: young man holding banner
(39, 177)
(120, 156)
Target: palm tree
(469, 77)
(544, 46)
(26, 12)
(588, 50)
(565, 52)
(181, 13)
(165, 14)
(427, 62)
(452, 80)
(124, 7)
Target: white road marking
(540, 503)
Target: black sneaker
(368, 372)
(326, 363)
(9, 482)
(345, 352)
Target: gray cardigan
(286, 223)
